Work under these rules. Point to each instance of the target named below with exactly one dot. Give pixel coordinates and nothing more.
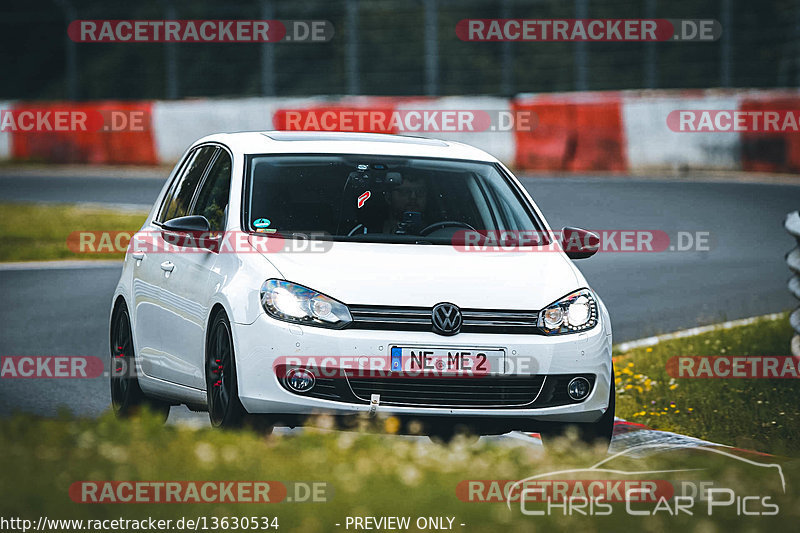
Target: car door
(188, 287)
(153, 310)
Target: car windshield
(382, 199)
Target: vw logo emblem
(446, 319)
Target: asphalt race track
(73, 189)
(64, 311)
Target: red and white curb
(631, 435)
(691, 332)
(645, 440)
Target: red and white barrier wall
(69, 132)
(177, 124)
(771, 152)
(577, 133)
(652, 145)
(573, 132)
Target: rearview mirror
(578, 243)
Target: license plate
(423, 359)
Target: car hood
(424, 275)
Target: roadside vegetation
(367, 474)
(757, 414)
(39, 232)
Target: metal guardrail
(792, 225)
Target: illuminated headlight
(294, 303)
(573, 313)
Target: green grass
(367, 475)
(39, 232)
(761, 414)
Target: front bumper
(260, 344)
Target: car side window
(179, 198)
(212, 201)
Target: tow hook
(374, 402)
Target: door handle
(137, 255)
(167, 266)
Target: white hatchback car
(347, 274)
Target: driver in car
(407, 203)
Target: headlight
(572, 313)
(294, 303)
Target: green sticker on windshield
(262, 223)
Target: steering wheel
(444, 224)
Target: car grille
(450, 392)
(419, 319)
(325, 389)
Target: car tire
(225, 409)
(127, 397)
(597, 433)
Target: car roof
(329, 142)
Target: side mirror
(193, 231)
(187, 224)
(578, 243)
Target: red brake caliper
(119, 364)
(218, 371)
